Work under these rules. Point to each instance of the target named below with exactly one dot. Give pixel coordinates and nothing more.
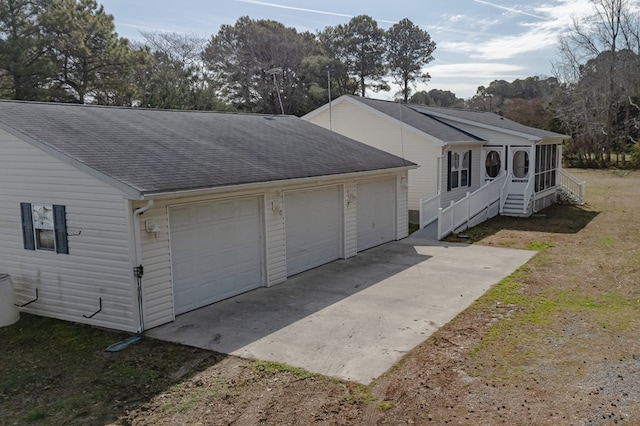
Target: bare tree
(176, 77)
(596, 67)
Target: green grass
(270, 367)
(540, 245)
(182, 401)
(413, 227)
(359, 394)
(386, 405)
(70, 378)
(605, 242)
(531, 314)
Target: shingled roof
(485, 118)
(155, 151)
(418, 120)
(436, 121)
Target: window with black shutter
(458, 169)
(44, 227)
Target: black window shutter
(60, 227)
(449, 171)
(470, 163)
(27, 226)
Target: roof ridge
(134, 108)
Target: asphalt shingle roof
(163, 151)
(424, 118)
(420, 121)
(488, 119)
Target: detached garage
(162, 212)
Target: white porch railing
(429, 210)
(528, 193)
(573, 186)
(504, 191)
(473, 209)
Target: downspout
(440, 182)
(139, 270)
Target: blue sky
(477, 41)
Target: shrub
(635, 156)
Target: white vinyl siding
(277, 252)
(382, 132)
(402, 207)
(477, 170)
(100, 228)
(99, 261)
(350, 208)
(157, 281)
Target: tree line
(68, 51)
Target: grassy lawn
(55, 372)
(556, 343)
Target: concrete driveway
(351, 319)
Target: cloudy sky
(477, 41)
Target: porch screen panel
(546, 167)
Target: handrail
(429, 210)
(504, 191)
(473, 204)
(528, 193)
(573, 185)
(571, 177)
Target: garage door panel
(313, 222)
(216, 251)
(376, 212)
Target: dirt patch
(555, 343)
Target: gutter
(277, 183)
(138, 270)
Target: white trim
(275, 183)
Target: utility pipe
(138, 252)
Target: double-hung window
(44, 227)
(459, 169)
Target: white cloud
(302, 9)
(533, 36)
(474, 70)
(455, 18)
(509, 9)
(503, 47)
(463, 79)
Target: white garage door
(313, 226)
(376, 212)
(216, 251)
